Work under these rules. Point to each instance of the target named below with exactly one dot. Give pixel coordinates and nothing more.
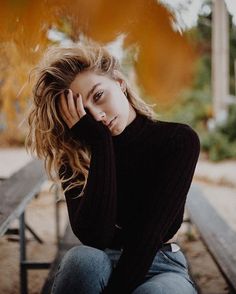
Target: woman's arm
(93, 215)
(165, 198)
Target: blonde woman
(125, 175)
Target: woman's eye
(98, 96)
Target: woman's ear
(122, 84)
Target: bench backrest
(18, 190)
(218, 236)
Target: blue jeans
(86, 270)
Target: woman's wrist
(89, 130)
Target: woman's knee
(83, 259)
(83, 269)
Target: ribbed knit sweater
(136, 191)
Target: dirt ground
(40, 215)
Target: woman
(125, 175)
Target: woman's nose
(101, 116)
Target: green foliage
(203, 75)
(229, 128)
(232, 55)
(218, 146)
(195, 105)
(221, 142)
(194, 108)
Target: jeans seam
(54, 278)
(169, 259)
(172, 261)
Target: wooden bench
(15, 193)
(216, 234)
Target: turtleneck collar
(131, 132)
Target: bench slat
(216, 233)
(18, 190)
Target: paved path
(12, 159)
(222, 173)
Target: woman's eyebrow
(91, 91)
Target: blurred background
(179, 55)
(176, 53)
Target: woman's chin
(118, 127)
(116, 131)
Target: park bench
(216, 234)
(15, 193)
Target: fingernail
(66, 92)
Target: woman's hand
(88, 129)
(71, 108)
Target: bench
(216, 234)
(15, 193)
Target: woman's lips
(112, 122)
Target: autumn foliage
(162, 61)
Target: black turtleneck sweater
(136, 191)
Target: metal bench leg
(190, 228)
(57, 215)
(23, 270)
(17, 232)
(58, 202)
(189, 232)
(37, 238)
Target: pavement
(220, 173)
(12, 159)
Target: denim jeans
(86, 270)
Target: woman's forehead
(85, 81)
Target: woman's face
(104, 98)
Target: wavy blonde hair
(48, 134)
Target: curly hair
(48, 135)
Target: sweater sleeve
(92, 216)
(165, 198)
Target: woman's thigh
(167, 274)
(83, 269)
(166, 283)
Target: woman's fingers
(62, 113)
(71, 106)
(65, 113)
(79, 105)
(71, 111)
(64, 109)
